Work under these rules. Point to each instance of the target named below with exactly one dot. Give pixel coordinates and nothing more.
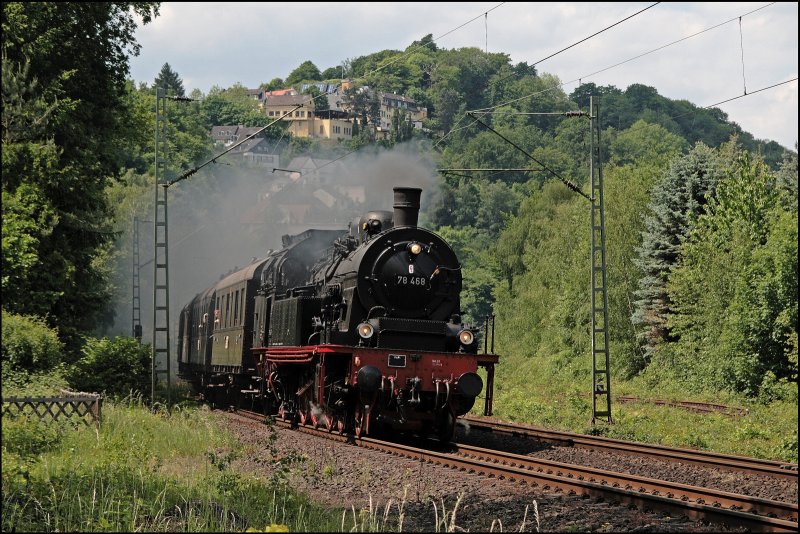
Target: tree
(319, 99)
(55, 173)
(402, 129)
(115, 367)
(307, 71)
(275, 83)
(333, 73)
(169, 80)
(645, 143)
(677, 200)
(734, 296)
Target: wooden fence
(85, 406)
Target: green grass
(554, 392)
(140, 471)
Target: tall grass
(554, 392)
(140, 470)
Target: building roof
(322, 86)
(250, 144)
(280, 92)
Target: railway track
(731, 509)
(570, 439)
(700, 407)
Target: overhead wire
(741, 46)
(561, 85)
(546, 58)
(484, 111)
(398, 58)
(594, 34)
(557, 86)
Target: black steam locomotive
(351, 330)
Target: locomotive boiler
(357, 331)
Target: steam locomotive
(355, 331)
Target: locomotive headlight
(415, 248)
(365, 330)
(466, 337)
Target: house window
(321, 129)
(302, 113)
(271, 113)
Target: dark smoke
(223, 217)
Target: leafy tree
(29, 345)
(402, 129)
(735, 294)
(319, 99)
(645, 142)
(787, 179)
(477, 268)
(170, 81)
(275, 83)
(627, 194)
(543, 308)
(54, 175)
(333, 73)
(307, 71)
(114, 367)
(677, 199)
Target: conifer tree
(677, 199)
(169, 80)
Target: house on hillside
(259, 150)
(303, 122)
(230, 134)
(391, 103)
(280, 92)
(321, 86)
(312, 193)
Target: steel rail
(639, 491)
(638, 483)
(704, 458)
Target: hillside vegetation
(701, 219)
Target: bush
(29, 344)
(114, 367)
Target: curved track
(695, 502)
(570, 439)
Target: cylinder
(406, 206)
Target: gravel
(762, 486)
(342, 476)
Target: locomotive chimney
(406, 206)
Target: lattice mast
(601, 379)
(161, 341)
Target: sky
(221, 44)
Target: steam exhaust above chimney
(406, 206)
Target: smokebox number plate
(397, 360)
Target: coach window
(227, 310)
(236, 309)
